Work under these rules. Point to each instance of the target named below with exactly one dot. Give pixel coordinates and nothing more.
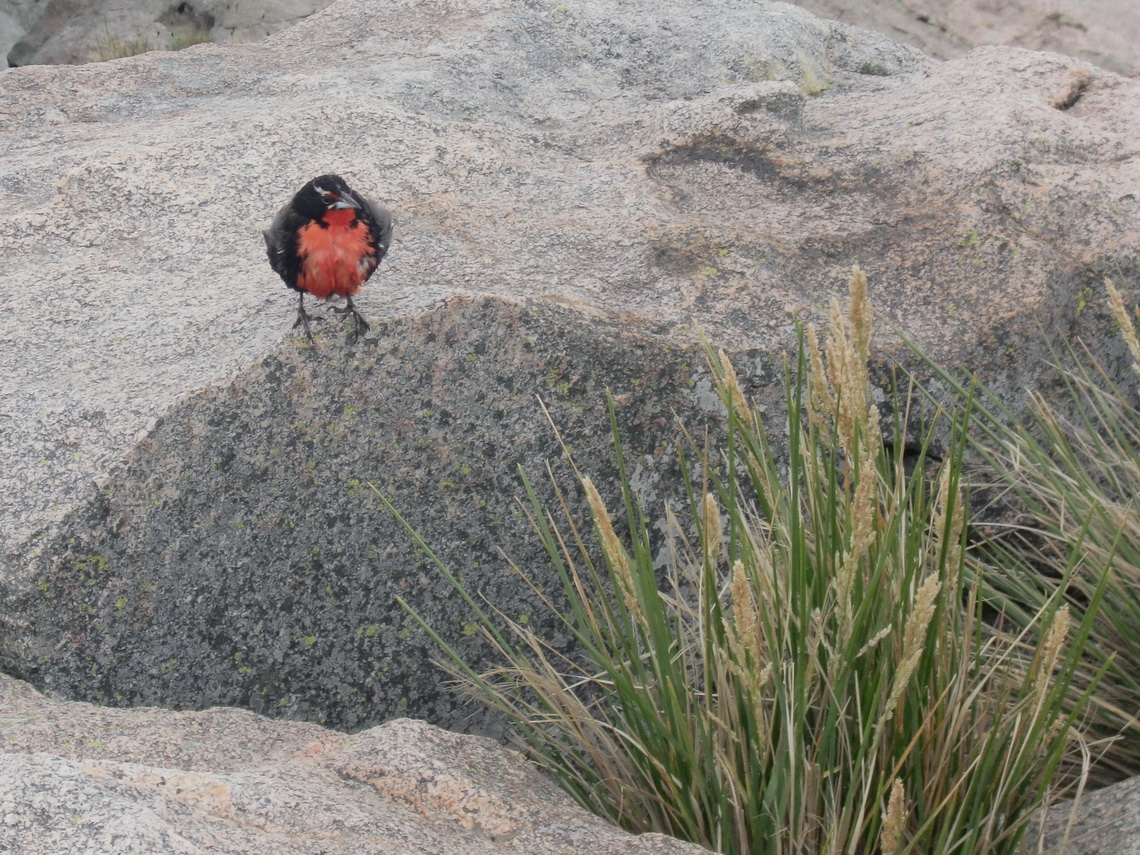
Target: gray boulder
(11, 31)
(186, 508)
(79, 31)
(1102, 821)
(16, 18)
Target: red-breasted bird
(326, 242)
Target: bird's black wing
(281, 245)
(382, 226)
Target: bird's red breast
(337, 256)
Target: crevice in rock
(1077, 89)
(745, 155)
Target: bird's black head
(324, 193)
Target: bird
(327, 241)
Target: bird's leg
(359, 325)
(303, 316)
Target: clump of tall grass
(183, 38)
(810, 674)
(112, 47)
(1071, 468)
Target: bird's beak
(346, 200)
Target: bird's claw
(303, 321)
(359, 325)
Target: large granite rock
(574, 187)
(75, 778)
(78, 31)
(1103, 32)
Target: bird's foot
(359, 325)
(303, 321)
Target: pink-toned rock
(75, 778)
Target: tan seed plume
(1124, 320)
(612, 546)
(914, 636)
(736, 394)
(894, 820)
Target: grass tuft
(1071, 470)
(111, 47)
(183, 38)
(811, 672)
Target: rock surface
(78, 31)
(16, 18)
(11, 31)
(1104, 821)
(79, 778)
(1103, 32)
(583, 182)
(75, 778)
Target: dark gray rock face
(240, 557)
(584, 182)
